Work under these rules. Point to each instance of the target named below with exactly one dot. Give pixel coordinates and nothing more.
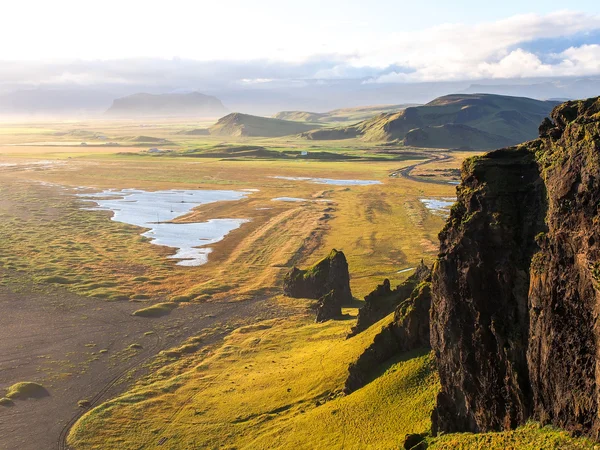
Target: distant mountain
(167, 105)
(480, 121)
(245, 125)
(340, 115)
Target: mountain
(481, 121)
(167, 105)
(245, 125)
(515, 288)
(340, 115)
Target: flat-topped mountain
(478, 121)
(351, 115)
(246, 125)
(161, 105)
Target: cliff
(383, 300)
(515, 289)
(328, 281)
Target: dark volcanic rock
(329, 307)
(382, 301)
(408, 331)
(329, 274)
(515, 291)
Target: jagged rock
(329, 307)
(515, 289)
(382, 301)
(409, 330)
(329, 274)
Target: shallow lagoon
(439, 206)
(155, 210)
(331, 181)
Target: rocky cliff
(409, 330)
(328, 281)
(514, 316)
(383, 300)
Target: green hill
(246, 125)
(339, 115)
(479, 121)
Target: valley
(164, 337)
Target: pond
(155, 211)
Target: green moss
(531, 436)
(538, 262)
(25, 390)
(157, 310)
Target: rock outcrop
(331, 273)
(514, 317)
(328, 281)
(383, 300)
(329, 307)
(409, 330)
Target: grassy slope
(513, 118)
(299, 348)
(246, 125)
(531, 436)
(260, 390)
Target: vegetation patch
(157, 310)
(531, 436)
(25, 390)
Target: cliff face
(383, 300)
(515, 291)
(329, 274)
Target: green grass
(157, 310)
(532, 436)
(25, 390)
(263, 378)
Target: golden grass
(532, 436)
(276, 384)
(24, 390)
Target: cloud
(493, 50)
(559, 44)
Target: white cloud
(281, 54)
(491, 50)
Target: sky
(269, 41)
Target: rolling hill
(481, 121)
(340, 115)
(246, 125)
(165, 105)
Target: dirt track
(51, 336)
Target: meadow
(247, 367)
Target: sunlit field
(213, 356)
